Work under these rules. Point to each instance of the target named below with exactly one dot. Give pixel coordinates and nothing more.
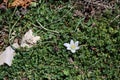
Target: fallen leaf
(22, 3)
(7, 55)
(29, 39)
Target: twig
(41, 26)
(11, 29)
(78, 23)
(115, 18)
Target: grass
(97, 59)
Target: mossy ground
(99, 38)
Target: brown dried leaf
(22, 3)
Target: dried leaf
(22, 3)
(29, 39)
(7, 55)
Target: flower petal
(71, 42)
(68, 48)
(66, 44)
(77, 48)
(76, 43)
(73, 51)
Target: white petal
(71, 42)
(67, 45)
(73, 51)
(68, 48)
(76, 43)
(77, 48)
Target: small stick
(41, 26)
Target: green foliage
(97, 59)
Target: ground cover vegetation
(96, 25)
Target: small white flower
(73, 46)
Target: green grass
(97, 59)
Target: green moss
(97, 59)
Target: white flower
(73, 46)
